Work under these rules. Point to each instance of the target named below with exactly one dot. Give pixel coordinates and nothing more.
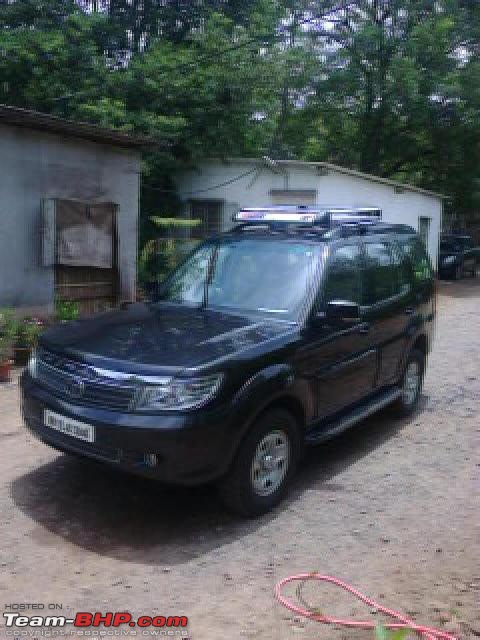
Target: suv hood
(165, 337)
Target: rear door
(342, 359)
(389, 305)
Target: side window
(414, 250)
(343, 275)
(382, 277)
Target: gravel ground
(390, 507)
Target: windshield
(262, 275)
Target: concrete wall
(334, 188)
(36, 165)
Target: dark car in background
(282, 333)
(458, 256)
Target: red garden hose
(404, 622)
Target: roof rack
(325, 217)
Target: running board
(345, 422)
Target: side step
(328, 430)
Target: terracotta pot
(5, 369)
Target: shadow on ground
(117, 515)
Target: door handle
(409, 311)
(364, 327)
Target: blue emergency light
(299, 214)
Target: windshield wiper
(208, 279)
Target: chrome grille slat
(57, 372)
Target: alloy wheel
(411, 383)
(270, 463)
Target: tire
(458, 273)
(245, 489)
(410, 384)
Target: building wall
(36, 165)
(331, 187)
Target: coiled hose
(307, 611)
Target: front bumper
(190, 448)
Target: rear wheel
(411, 384)
(458, 272)
(264, 465)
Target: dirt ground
(390, 506)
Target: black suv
(281, 333)
(458, 255)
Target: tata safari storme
(281, 333)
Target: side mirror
(342, 312)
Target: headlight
(449, 260)
(32, 363)
(175, 393)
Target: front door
(342, 359)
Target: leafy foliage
(382, 633)
(8, 328)
(66, 310)
(391, 88)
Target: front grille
(81, 384)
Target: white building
(86, 178)
(215, 190)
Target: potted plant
(26, 339)
(8, 330)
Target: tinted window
(382, 278)
(343, 275)
(419, 259)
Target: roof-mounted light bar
(308, 215)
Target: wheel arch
(289, 403)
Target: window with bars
(209, 212)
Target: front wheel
(410, 385)
(264, 465)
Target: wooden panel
(92, 288)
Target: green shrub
(66, 310)
(28, 331)
(160, 255)
(8, 331)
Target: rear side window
(382, 273)
(343, 275)
(415, 251)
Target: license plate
(69, 427)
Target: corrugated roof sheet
(45, 122)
